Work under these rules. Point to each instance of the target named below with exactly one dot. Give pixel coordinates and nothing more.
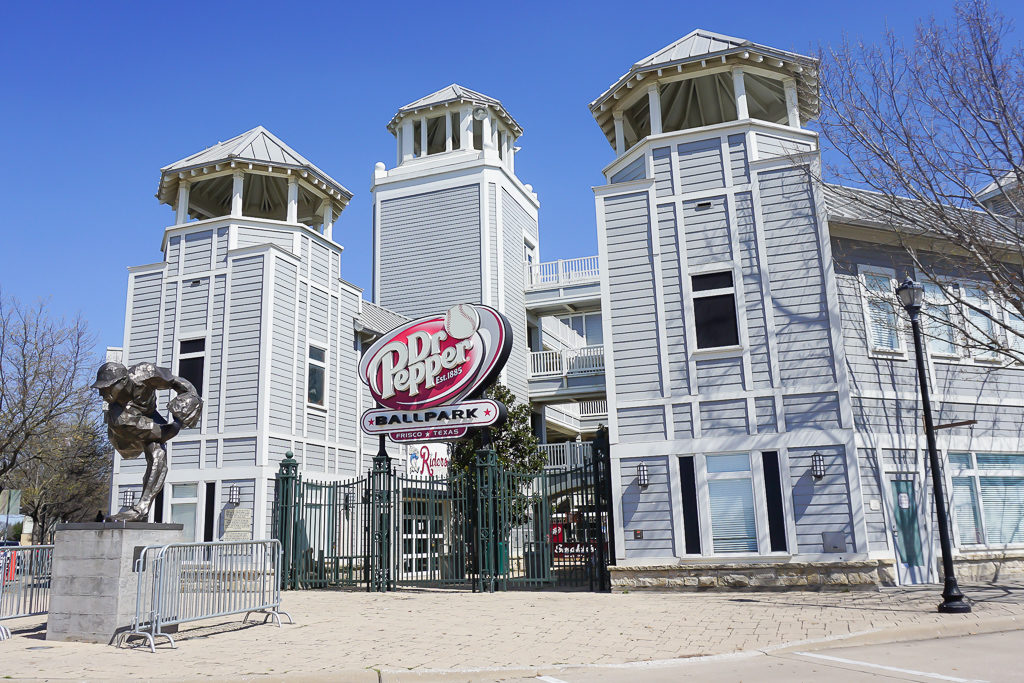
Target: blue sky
(96, 97)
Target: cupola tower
(452, 222)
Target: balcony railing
(563, 272)
(592, 409)
(588, 360)
(565, 455)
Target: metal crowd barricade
(183, 582)
(25, 573)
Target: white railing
(565, 455)
(588, 360)
(563, 272)
(590, 409)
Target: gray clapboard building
(737, 331)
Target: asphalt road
(989, 657)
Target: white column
(237, 181)
(511, 157)
(329, 219)
(181, 208)
(447, 131)
(466, 127)
(792, 103)
(620, 137)
(488, 142)
(654, 107)
(740, 88)
(293, 199)
(423, 136)
(407, 141)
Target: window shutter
(732, 516)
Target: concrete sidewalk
(437, 634)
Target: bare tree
(67, 477)
(45, 369)
(934, 128)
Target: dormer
(705, 79)
(253, 175)
(455, 121)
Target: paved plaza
(457, 635)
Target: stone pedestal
(93, 590)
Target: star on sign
(487, 412)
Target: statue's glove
(187, 408)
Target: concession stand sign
(427, 375)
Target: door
(906, 529)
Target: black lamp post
(911, 295)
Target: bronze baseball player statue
(135, 427)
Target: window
(436, 135)
(731, 497)
(184, 498)
(192, 362)
(938, 327)
(988, 497)
(587, 326)
(714, 310)
(478, 134)
(881, 320)
(317, 376)
(456, 130)
(979, 325)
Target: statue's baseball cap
(108, 374)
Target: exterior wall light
(234, 495)
(642, 477)
(127, 498)
(817, 466)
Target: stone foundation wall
(983, 567)
(866, 574)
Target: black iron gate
(488, 528)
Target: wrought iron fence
(25, 574)
(486, 528)
(185, 582)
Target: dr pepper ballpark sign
(427, 375)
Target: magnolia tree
(934, 128)
(513, 440)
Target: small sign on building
(428, 460)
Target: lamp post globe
(911, 296)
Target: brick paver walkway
(339, 634)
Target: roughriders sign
(423, 374)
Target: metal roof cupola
(704, 79)
(255, 175)
(456, 120)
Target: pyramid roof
(455, 93)
(256, 146)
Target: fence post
(486, 522)
(380, 500)
(603, 494)
(284, 516)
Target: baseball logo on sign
(461, 321)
